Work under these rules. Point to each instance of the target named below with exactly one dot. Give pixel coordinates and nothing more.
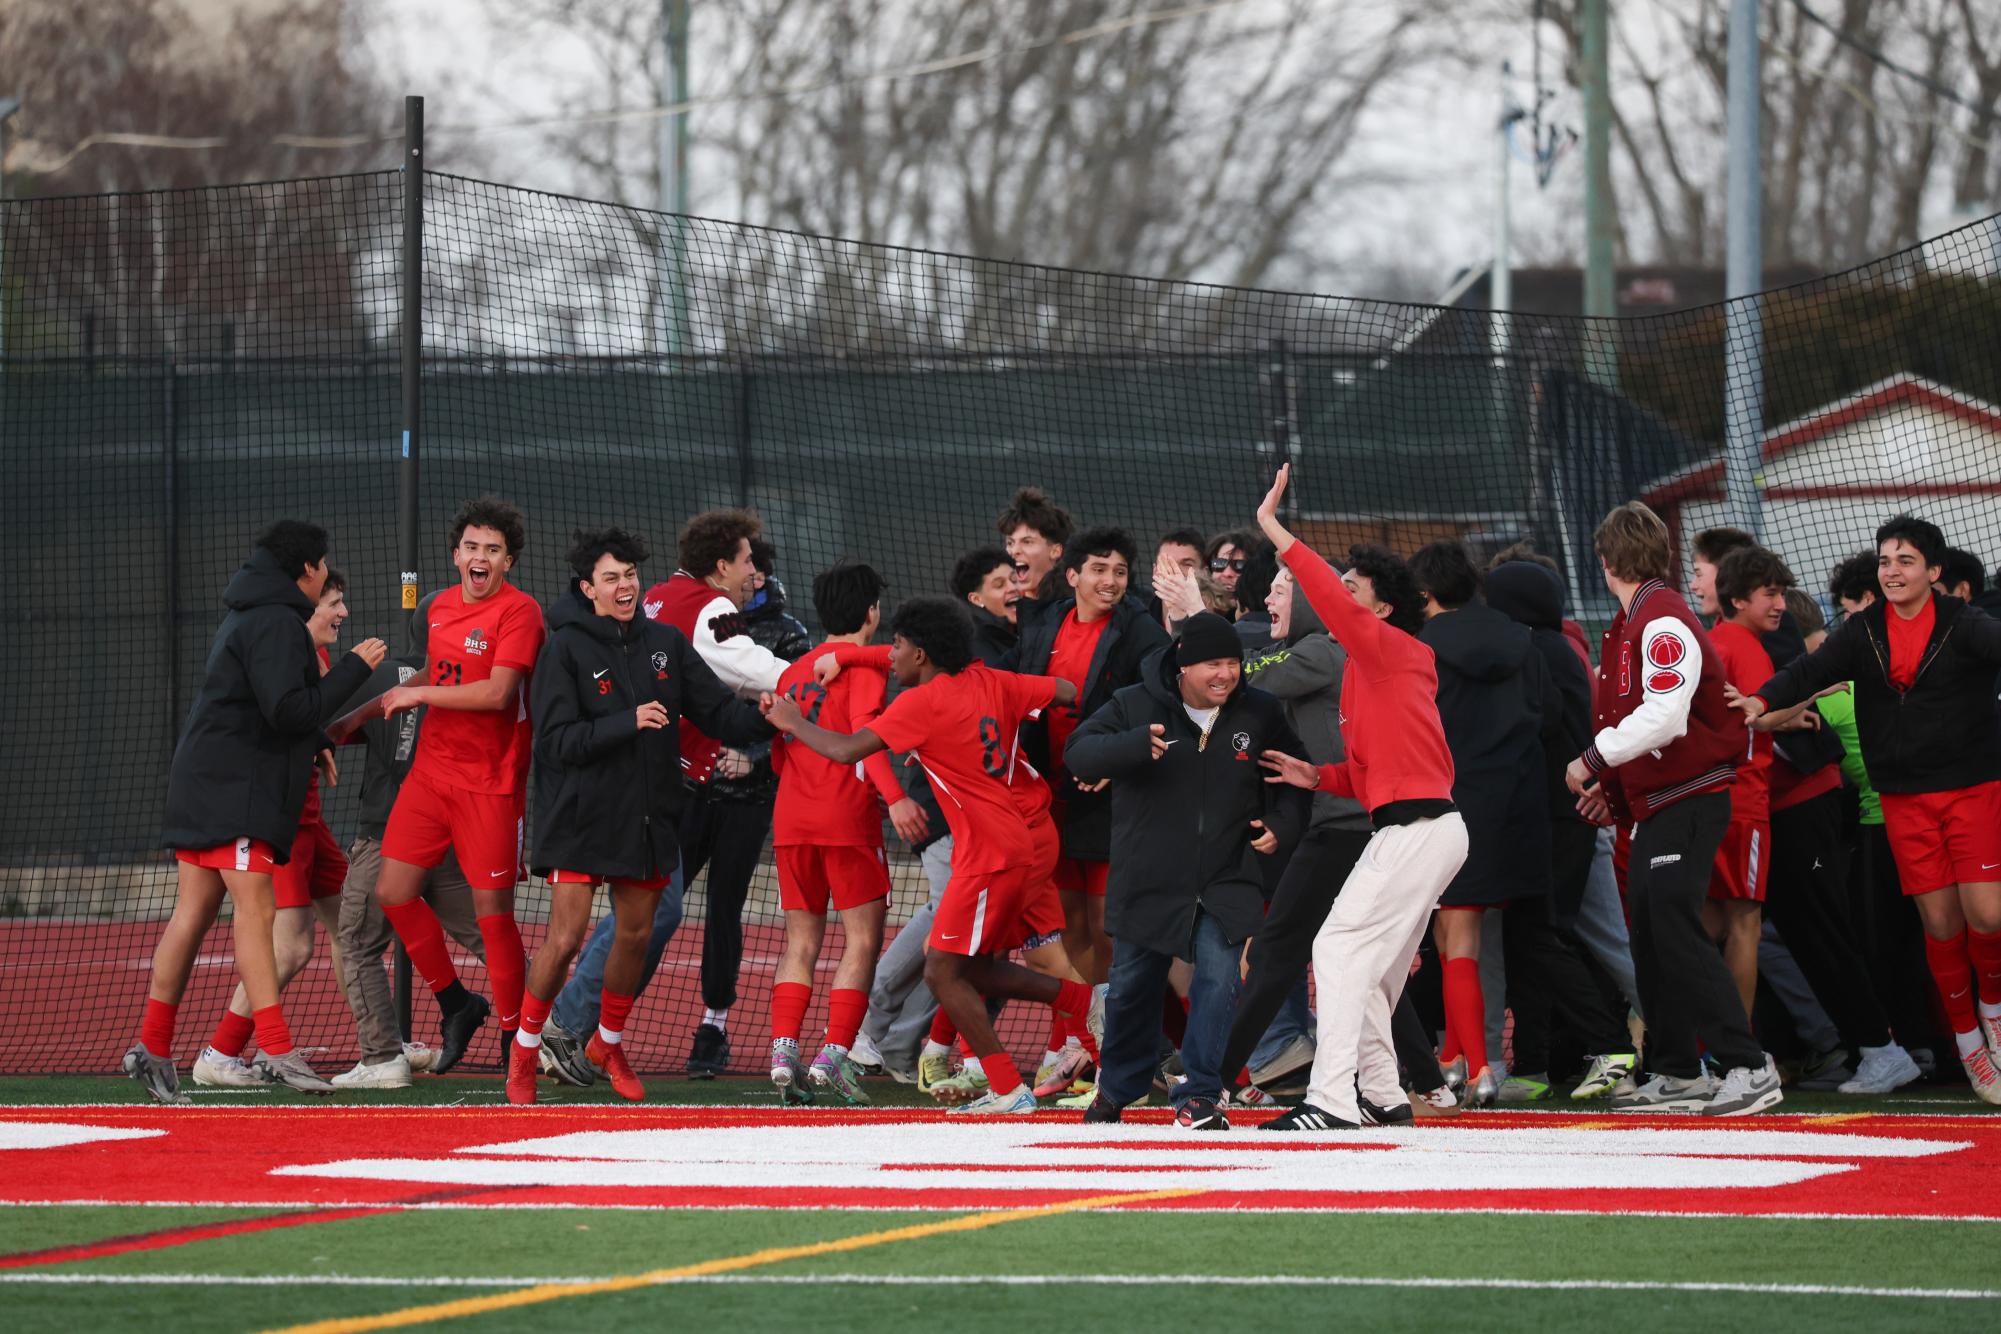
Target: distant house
(1831, 477)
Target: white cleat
(393, 1073)
(1021, 1102)
(1981, 1074)
(216, 1071)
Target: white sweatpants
(1361, 958)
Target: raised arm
(840, 747)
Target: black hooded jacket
(607, 795)
(1181, 825)
(1126, 643)
(1532, 596)
(245, 754)
(1490, 698)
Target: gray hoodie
(1305, 673)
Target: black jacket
(245, 754)
(1490, 698)
(1126, 643)
(769, 624)
(607, 795)
(1942, 734)
(1181, 825)
(1532, 596)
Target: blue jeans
(1294, 1020)
(1132, 1017)
(576, 1009)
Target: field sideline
(440, 1208)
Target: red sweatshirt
(1389, 698)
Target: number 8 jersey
(962, 728)
(479, 751)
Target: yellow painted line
(1839, 1118)
(505, 1301)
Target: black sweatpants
(728, 837)
(1806, 898)
(1550, 971)
(1685, 990)
(1283, 947)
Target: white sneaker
(1981, 1074)
(1021, 1102)
(227, 1072)
(1666, 1093)
(1746, 1089)
(1606, 1074)
(420, 1057)
(1882, 1069)
(863, 1053)
(393, 1073)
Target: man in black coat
(610, 690)
(237, 787)
(1190, 812)
(1095, 639)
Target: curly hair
(1102, 541)
(295, 544)
(712, 537)
(1854, 578)
(1392, 582)
(1746, 570)
(1032, 507)
(940, 627)
(588, 545)
(492, 512)
(971, 570)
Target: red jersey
(962, 727)
(1907, 642)
(821, 803)
(1070, 658)
(480, 750)
(1747, 666)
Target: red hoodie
(1389, 698)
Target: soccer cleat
(293, 1071)
(1454, 1071)
(563, 1056)
(523, 1066)
(1990, 1033)
(1250, 1095)
(1070, 1065)
(1980, 1073)
(1747, 1089)
(835, 1073)
(1517, 1089)
(393, 1073)
(458, 1029)
(1441, 1101)
(1021, 1102)
(787, 1075)
(709, 1053)
(1481, 1091)
(864, 1055)
(1083, 1098)
(610, 1058)
(1200, 1114)
(933, 1069)
(1094, 1018)
(1882, 1069)
(1101, 1112)
(1308, 1117)
(969, 1084)
(1294, 1055)
(420, 1057)
(1666, 1093)
(1382, 1114)
(1605, 1074)
(155, 1074)
(215, 1070)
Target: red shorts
(1743, 861)
(812, 874)
(1042, 915)
(245, 854)
(1076, 876)
(316, 870)
(980, 912)
(483, 828)
(1944, 838)
(586, 878)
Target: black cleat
(1374, 1114)
(563, 1057)
(458, 1029)
(1201, 1114)
(1308, 1117)
(1102, 1112)
(710, 1054)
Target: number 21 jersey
(962, 727)
(480, 751)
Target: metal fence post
(412, 370)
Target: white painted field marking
(1179, 1281)
(1023, 1156)
(63, 1134)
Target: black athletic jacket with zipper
(607, 795)
(1942, 734)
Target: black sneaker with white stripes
(1201, 1114)
(1374, 1114)
(1308, 1117)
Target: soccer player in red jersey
(959, 718)
(1923, 664)
(305, 888)
(236, 788)
(609, 691)
(827, 829)
(1749, 587)
(467, 792)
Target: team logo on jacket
(1664, 653)
(660, 661)
(1242, 742)
(476, 642)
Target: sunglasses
(1218, 564)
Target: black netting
(176, 369)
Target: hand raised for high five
(1274, 531)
